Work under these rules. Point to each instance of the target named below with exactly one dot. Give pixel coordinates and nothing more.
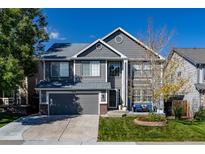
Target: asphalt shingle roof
(194, 55)
(63, 50)
(76, 86)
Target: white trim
(134, 38)
(106, 71)
(101, 41)
(68, 89)
(55, 59)
(100, 93)
(126, 83)
(123, 84)
(116, 99)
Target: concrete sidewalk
(52, 142)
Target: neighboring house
(93, 78)
(192, 68)
(23, 96)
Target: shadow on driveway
(43, 119)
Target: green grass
(124, 129)
(6, 118)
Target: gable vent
(98, 46)
(119, 39)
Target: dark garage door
(68, 104)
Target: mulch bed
(149, 123)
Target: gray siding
(189, 71)
(128, 46)
(78, 69)
(48, 72)
(94, 52)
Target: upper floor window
(147, 70)
(91, 68)
(114, 68)
(137, 70)
(59, 69)
(179, 74)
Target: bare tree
(158, 41)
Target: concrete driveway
(81, 129)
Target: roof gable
(131, 43)
(99, 49)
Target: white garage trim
(71, 92)
(105, 102)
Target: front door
(113, 99)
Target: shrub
(200, 115)
(152, 118)
(178, 111)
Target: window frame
(90, 67)
(140, 94)
(146, 69)
(120, 68)
(105, 94)
(59, 74)
(137, 70)
(179, 74)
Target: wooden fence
(185, 106)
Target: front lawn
(123, 129)
(5, 118)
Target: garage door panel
(68, 104)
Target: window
(59, 69)
(179, 74)
(103, 97)
(147, 95)
(91, 68)
(142, 95)
(137, 70)
(137, 95)
(114, 68)
(146, 70)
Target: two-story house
(81, 78)
(192, 69)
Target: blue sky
(86, 25)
